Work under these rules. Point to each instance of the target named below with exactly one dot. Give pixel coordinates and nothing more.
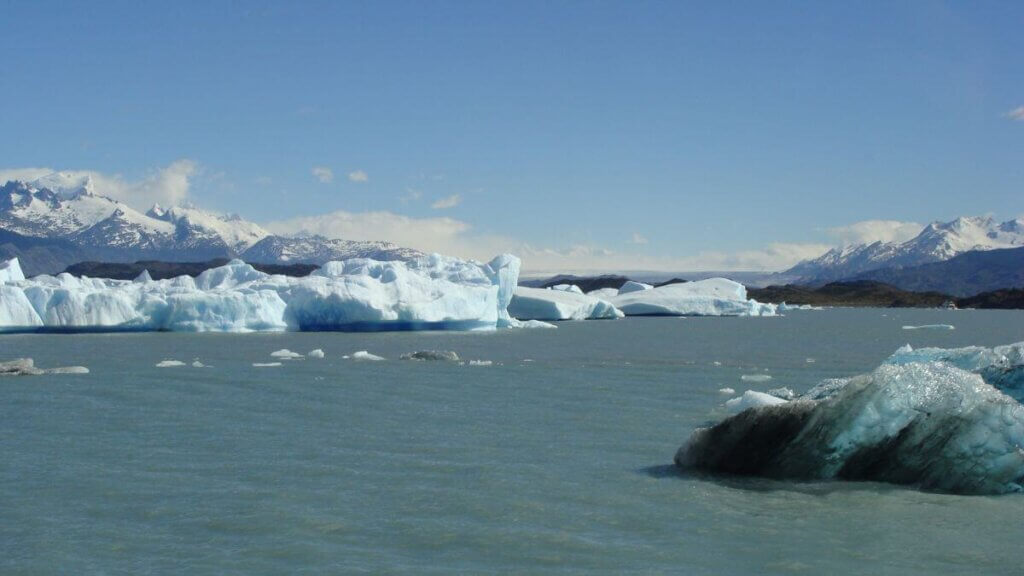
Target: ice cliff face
(946, 420)
(433, 292)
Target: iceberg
(10, 271)
(567, 288)
(27, 367)
(932, 418)
(711, 297)
(433, 292)
(364, 355)
(544, 304)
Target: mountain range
(937, 242)
(61, 219)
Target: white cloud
(358, 176)
(870, 231)
(168, 185)
(427, 234)
(458, 238)
(324, 174)
(1017, 114)
(447, 202)
(638, 239)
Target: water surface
(555, 459)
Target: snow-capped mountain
(938, 242)
(62, 206)
(315, 249)
(69, 208)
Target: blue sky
(587, 135)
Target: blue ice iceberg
(933, 418)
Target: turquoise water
(555, 459)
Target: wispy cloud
(169, 185)
(358, 176)
(447, 202)
(411, 195)
(638, 239)
(324, 174)
(870, 231)
(458, 238)
(1016, 114)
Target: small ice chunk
(442, 355)
(931, 327)
(727, 391)
(318, 353)
(67, 370)
(784, 393)
(480, 363)
(285, 354)
(717, 363)
(752, 399)
(198, 364)
(169, 363)
(810, 360)
(19, 367)
(265, 364)
(755, 377)
(364, 355)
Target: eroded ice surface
(934, 418)
(434, 292)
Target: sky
(582, 135)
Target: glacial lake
(555, 459)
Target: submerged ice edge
(940, 419)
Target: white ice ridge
(711, 297)
(939, 419)
(433, 292)
(559, 304)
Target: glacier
(559, 304)
(432, 292)
(946, 420)
(710, 297)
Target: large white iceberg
(433, 292)
(711, 297)
(551, 304)
(938, 419)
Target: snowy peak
(66, 184)
(937, 242)
(315, 249)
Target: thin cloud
(871, 231)
(447, 202)
(324, 174)
(411, 195)
(1016, 114)
(358, 176)
(638, 239)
